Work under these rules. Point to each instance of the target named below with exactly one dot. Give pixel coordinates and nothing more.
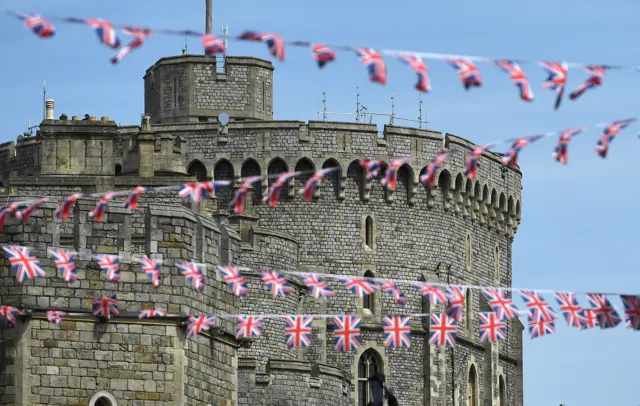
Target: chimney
(48, 107)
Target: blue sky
(578, 227)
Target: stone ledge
(280, 234)
(288, 365)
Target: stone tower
(459, 232)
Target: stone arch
(250, 167)
(502, 391)
(494, 199)
(103, 398)
(355, 180)
(118, 170)
(405, 181)
(468, 197)
(370, 349)
(223, 170)
(518, 212)
(458, 191)
(307, 168)
(485, 194)
(510, 213)
(444, 184)
(472, 386)
(369, 301)
(276, 166)
(198, 170)
(502, 208)
(332, 180)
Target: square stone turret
(195, 89)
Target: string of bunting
(375, 169)
(540, 315)
(372, 59)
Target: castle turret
(195, 89)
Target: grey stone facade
(459, 232)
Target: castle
(459, 232)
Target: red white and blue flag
(64, 210)
(517, 76)
(471, 163)
(213, 45)
(606, 314)
(468, 72)
(309, 187)
(274, 42)
(347, 332)
(109, 265)
(237, 204)
(234, 279)
(317, 286)
(323, 54)
(106, 307)
(631, 311)
(562, 148)
(455, 301)
(98, 212)
(588, 319)
(10, 315)
(595, 80)
(277, 285)
(391, 174)
(373, 168)
(24, 263)
(442, 330)
(8, 211)
(610, 132)
(152, 269)
(428, 177)
(433, 294)
(271, 198)
(298, 330)
(359, 286)
(55, 316)
(196, 191)
(139, 36)
(540, 326)
(25, 213)
(510, 157)
(557, 79)
(420, 68)
(193, 274)
(197, 324)
(501, 304)
(131, 202)
(538, 307)
(106, 33)
(41, 27)
(65, 265)
(151, 314)
(248, 326)
(491, 327)
(397, 331)
(375, 64)
(393, 289)
(569, 307)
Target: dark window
(368, 232)
(368, 302)
(369, 364)
(118, 169)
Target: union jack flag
(193, 274)
(374, 63)
(55, 316)
(468, 72)
(298, 331)
(212, 45)
(540, 326)
(65, 265)
(41, 27)
(557, 79)
(317, 286)
(276, 283)
(420, 68)
(391, 174)
(25, 213)
(150, 314)
(10, 315)
(139, 35)
(442, 330)
(502, 305)
(433, 294)
(105, 31)
(428, 177)
(109, 265)
(64, 209)
(309, 187)
(323, 54)
(562, 148)
(347, 332)
(248, 326)
(595, 80)
(606, 314)
(397, 331)
(492, 328)
(197, 191)
(98, 212)
(631, 311)
(538, 307)
(197, 324)
(234, 280)
(609, 133)
(152, 269)
(8, 211)
(24, 263)
(569, 307)
(237, 204)
(106, 307)
(510, 157)
(274, 42)
(455, 303)
(471, 164)
(372, 167)
(271, 198)
(517, 76)
(131, 202)
(359, 287)
(392, 288)
(587, 319)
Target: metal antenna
(393, 109)
(185, 48)
(357, 104)
(324, 106)
(419, 110)
(208, 16)
(225, 33)
(44, 98)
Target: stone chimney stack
(48, 107)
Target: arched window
(102, 398)
(103, 402)
(496, 264)
(468, 309)
(118, 169)
(369, 363)
(502, 393)
(472, 392)
(368, 302)
(467, 253)
(368, 232)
